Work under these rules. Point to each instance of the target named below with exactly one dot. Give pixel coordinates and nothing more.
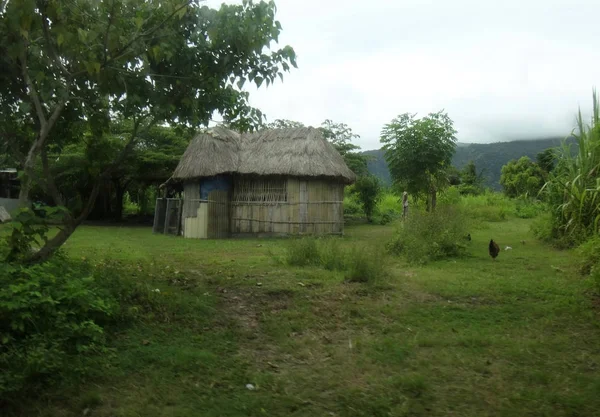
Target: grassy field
(516, 337)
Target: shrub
(544, 228)
(366, 266)
(368, 193)
(527, 208)
(53, 316)
(383, 218)
(589, 253)
(352, 208)
(302, 252)
(450, 196)
(431, 236)
(358, 263)
(332, 255)
(573, 189)
(491, 206)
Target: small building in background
(266, 183)
(9, 189)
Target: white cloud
(502, 70)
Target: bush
(383, 218)
(527, 208)
(53, 316)
(358, 263)
(302, 252)
(449, 196)
(428, 236)
(352, 208)
(491, 206)
(366, 266)
(544, 228)
(589, 253)
(332, 255)
(368, 193)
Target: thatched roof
(214, 152)
(299, 152)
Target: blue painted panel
(218, 183)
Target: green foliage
(419, 151)
(82, 67)
(358, 263)
(28, 229)
(450, 196)
(573, 187)
(341, 136)
(489, 206)
(528, 208)
(522, 177)
(364, 265)
(352, 207)
(490, 157)
(471, 183)
(589, 254)
(54, 315)
(368, 191)
(547, 159)
(303, 252)
(431, 236)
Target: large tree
(419, 151)
(68, 67)
(522, 177)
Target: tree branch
(110, 20)
(53, 52)
(32, 91)
(121, 52)
(49, 179)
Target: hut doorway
(206, 208)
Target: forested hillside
(489, 157)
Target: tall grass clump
(302, 252)
(573, 187)
(489, 206)
(430, 236)
(359, 264)
(364, 265)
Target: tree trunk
(120, 192)
(69, 226)
(433, 198)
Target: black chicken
(494, 249)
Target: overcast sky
(503, 70)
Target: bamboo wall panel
(312, 207)
(197, 227)
(218, 214)
(191, 193)
(293, 208)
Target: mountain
(489, 157)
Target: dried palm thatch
(214, 152)
(301, 152)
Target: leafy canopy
(418, 151)
(522, 177)
(71, 68)
(368, 190)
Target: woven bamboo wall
(307, 207)
(191, 196)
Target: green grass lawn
(469, 337)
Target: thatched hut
(270, 182)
